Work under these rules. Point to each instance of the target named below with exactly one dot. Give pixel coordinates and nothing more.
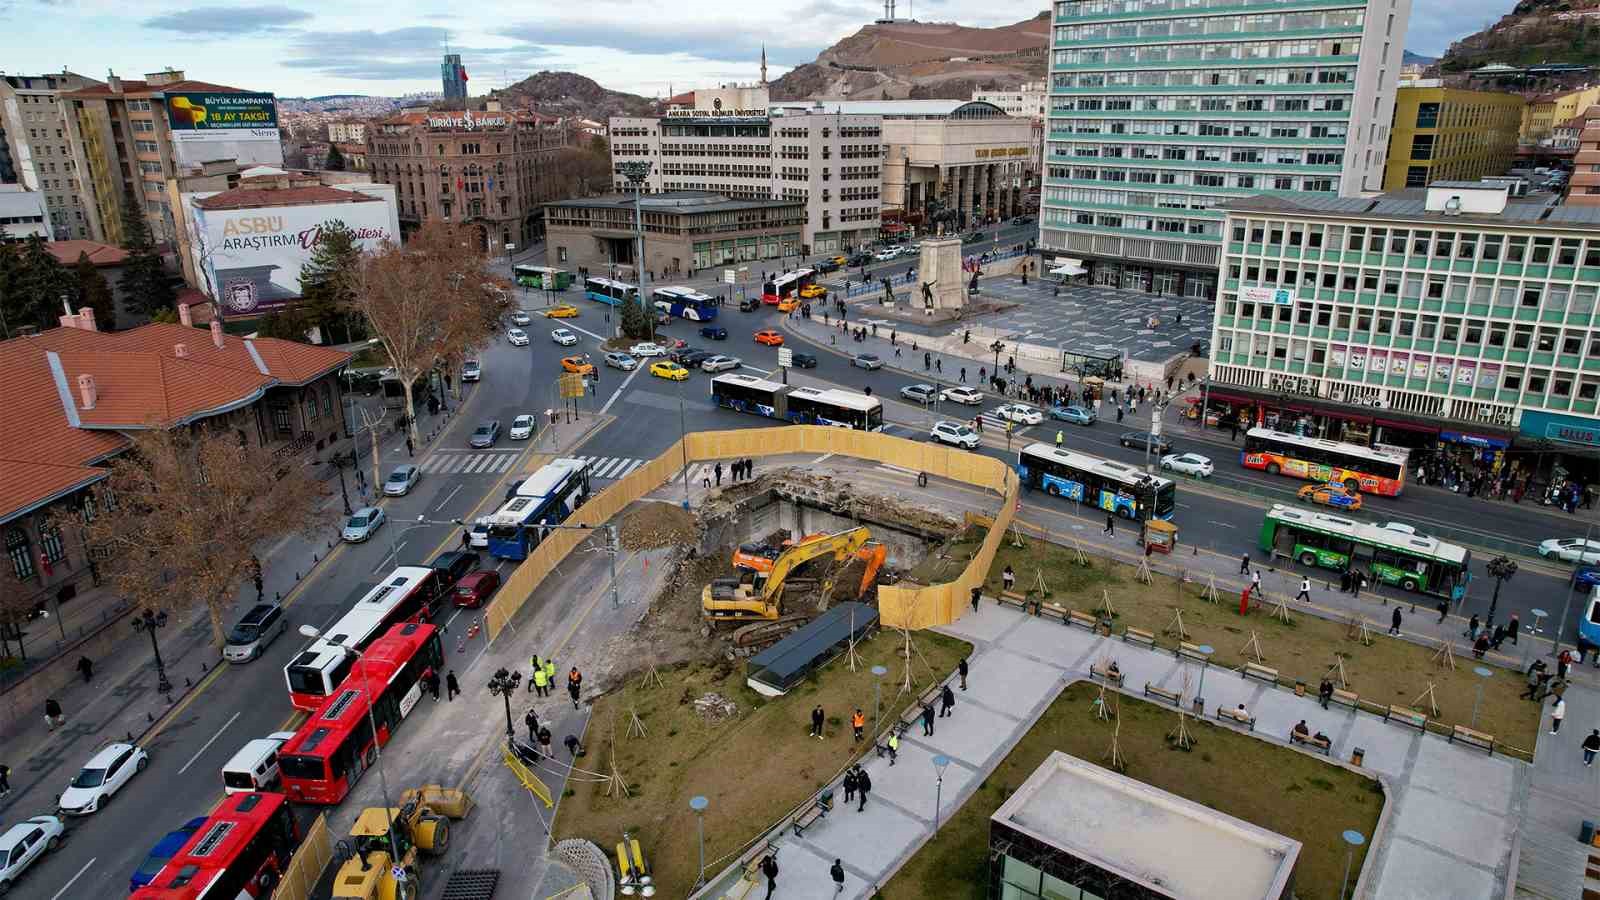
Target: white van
(255, 766)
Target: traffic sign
(785, 357)
(729, 276)
(571, 385)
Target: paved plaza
(1094, 317)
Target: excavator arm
(838, 545)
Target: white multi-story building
(351, 131)
(1026, 102)
(1160, 111)
(1451, 314)
(32, 126)
(22, 214)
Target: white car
(401, 481)
(23, 843)
(1020, 413)
(721, 363)
(1572, 550)
(646, 350)
(521, 318)
(954, 433)
(1188, 463)
(563, 337)
(522, 428)
(363, 523)
(103, 775)
(517, 337)
(962, 395)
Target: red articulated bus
(330, 751)
(240, 852)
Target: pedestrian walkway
(611, 467)
(1562, 794)
(469, 462)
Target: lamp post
(1353, 839)
(339, 461)
(150, 621)
(1200, 692)
(877, 697)
(1483, 675)
(421, 522)
(699, 803)
(636, 173)
(1572, 587)
(1205, 398)
(503, 684)
(940, 763)
(1501, 568)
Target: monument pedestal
(939, 282)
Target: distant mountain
(1535, 31)
(922, 60)
(571, 94)
(1407, 58)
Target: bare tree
(432, 301)
(191, 506)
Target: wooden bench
(752, 865)
(913, 712)
(1260, 673)
(1232, 715)
(1346, 698)
(1472, 738)
(1097, 670)
(1155, 690)
(1012, 598)
(818, 809)
(1083, 620)
(1323, 746)
(1051, 611)
(1139, 636)
(1405, 715)
(1191, 652)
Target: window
(1427, 115)
(1422, 146)
(17, 547)
(55, 550)
(1416, 176)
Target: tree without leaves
(144, 279)
(178, 538)
(433, 300)
(16, 603)
(95, 293)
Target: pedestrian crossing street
(469, 462)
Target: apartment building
(353, 131)
(1584, 187)
(40, 158)
(1026, 102)
(1543, 113)
(1162, 110)
(1448, 134)
(1454, 313)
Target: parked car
(164, 850)
(1189, 464)
(669, 370)
(517, 337)
(721, 363)
(563, 337)
(1077, 415)
(714, 332)
(957, 434)
(401, 480)
(521, 318)
(919, 393)
(770, 338)
(749, 304)
(1142, 440)
(868, 361)
(962, 395)
(623, 361)
(1332, 494)
(562, 311)
(485, 435)
(101, 777)
(475, 588)
(23, 844)
(522, 428)
(254, 631)
(646, 349)
(1577, 550)
(363, 523)
(803, 361)
(471, 370)
(1020, 413)
(453, 565)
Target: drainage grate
(471, 884)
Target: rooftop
(676, 202)
(132, 86)
(21, 203)
(1156, 839)
(254, 198)
(890, 109)
(1411, 206)
(67, 252)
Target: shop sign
(1474, 440)
(1276, 296)
(1563, 429)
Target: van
(255, 766)
(256, 630)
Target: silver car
(485, 435)
(363, 523)
(621, 361)
(721, 363)
(260, 626)
(402, 480)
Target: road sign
(785, 357)
(571, 385)
(729, 276)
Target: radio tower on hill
(888, 11)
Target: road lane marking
(207, 744)
(447, 498)
(620, 388)
(762, 371)
(394, 553)
(75, 878)
(1222, 524)
(453, 615)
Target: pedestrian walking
(410, 447)
(1344, 581)
(1305, 589)
(858, 721)
(452, 687)
(5, 780)
(947, 699)
(1472, 628)
(962, 668)
(863, 786)
(1358, 580)
(849, 784)
(1513, 626)
(1558, 711)
(1394, 621)
(549, 676)
(963, 374)
(1255, 583)
(1563, 662)
(52, 714)
(976, 593)
(86, 668)
(817, 717)
(1059, 438)
(1111, 526)
(1009, 577)
(1536, 676)
(717, 470)
(1444, 610)
(769, 868)
(532, 721)
(1591, 746)
(893, 745)
(573, 746)
(1497, 637)
(544, 741)
(1244, 564)
(1325, 692)
(432, 679)
(836, 871)
(927, 720)
(574, 685)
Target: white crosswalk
(993, 423)
(611, 467)
(469, 462)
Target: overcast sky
(372, 47)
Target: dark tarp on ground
(788, 661)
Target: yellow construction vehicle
(758, 595)
(421, 823)
(759, 558)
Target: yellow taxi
(668, 369)
(1331, 494)
(579, 364)
(813, 291)
(840, 260)
(787, 304)
(564, 311)
(770, 338)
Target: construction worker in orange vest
(858, 722)
(574, 682)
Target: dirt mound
(649, 526)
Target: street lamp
(636, 172)
(150, 620)
(940, 763)
(421, 522)
(1483, 675)
(1354, 839)
(1200, 692)
(339, 461)
(1501, 568)
(699, 803)
(877, 697)
(503, 684)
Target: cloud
(228, 20)
(401, 54)
(709, 40)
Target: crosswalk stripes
(468, 463)
(611, 467)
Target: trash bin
(1357, 755)
(1587, 833)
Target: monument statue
(927, 293)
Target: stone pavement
(1562, 794)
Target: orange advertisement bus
(1358, 468)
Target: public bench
(1323, 745)
(913, 713)
(818, 809)
(1012, 598)
(1191, 652)
(1138, 636)
(1083, 620)
(1346, 698)
(1472, 738)
(1101, 671)
(1233, 716)
(1405, 715)
(1260, 673)
(1051, 611)
(1155, 690)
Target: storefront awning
(1407, 426)
(1069, 270)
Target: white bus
(1115, 487)
(685, 303)
(408, 594)
(798, 405)
(606, 290)
(546, 497)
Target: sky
(367, 47)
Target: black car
(1140, 440)
(452, 565)
(804, 361)
(678, 354)
(694, 358)
(825, 265)
(974, 238)
(1022, 220)
(860, 259)
(749, 304)
(714, 332)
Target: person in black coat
(947, 699)
(864, 785)
(769, 868)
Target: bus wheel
(1272, 468)
(1122, 512)
(1308, 558)
(1352, 485)
(1053, 491)
(1409, 584)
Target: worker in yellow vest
(537, 667)
(541, 682)
(894, 746)
(550, 673)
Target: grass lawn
(1291, 793)
(1388, 671)
(754, 766)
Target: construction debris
(715, 707)
(649, 526)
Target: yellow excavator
(421, 823)
(759, 558)
(759, 595)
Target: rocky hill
(922, 60)
(1535, 31)
(571, 94)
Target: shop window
(19, 549)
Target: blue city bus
(797, 405)
(607, 290)
(685, 303)
(547, 497)
(1589, 625)
(1112, 486)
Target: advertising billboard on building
(222, 116)
(252, 258)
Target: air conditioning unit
(1503, 418)
(1337, 396)
(1485, 412)
(1377, 403)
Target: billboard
(201, 117)
(252, 258)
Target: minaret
(763, 63)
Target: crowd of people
(1496, 481)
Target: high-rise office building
(33, 140)
(454, 75)
(1160, 110)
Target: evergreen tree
(635, 321)
(38, 284)
(327, 279)
(10, 300)
(335, 161)
(95, 293)
(144, 279)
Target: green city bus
(542, 277)
(1391, 553)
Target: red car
(475, 588)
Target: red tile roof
(135, 87)
(250, 198)
(51, 445)
(67, 252)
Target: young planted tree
(432, 301)
(95, 293)
(144, 279)
(192, 506)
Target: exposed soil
(649, 526)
